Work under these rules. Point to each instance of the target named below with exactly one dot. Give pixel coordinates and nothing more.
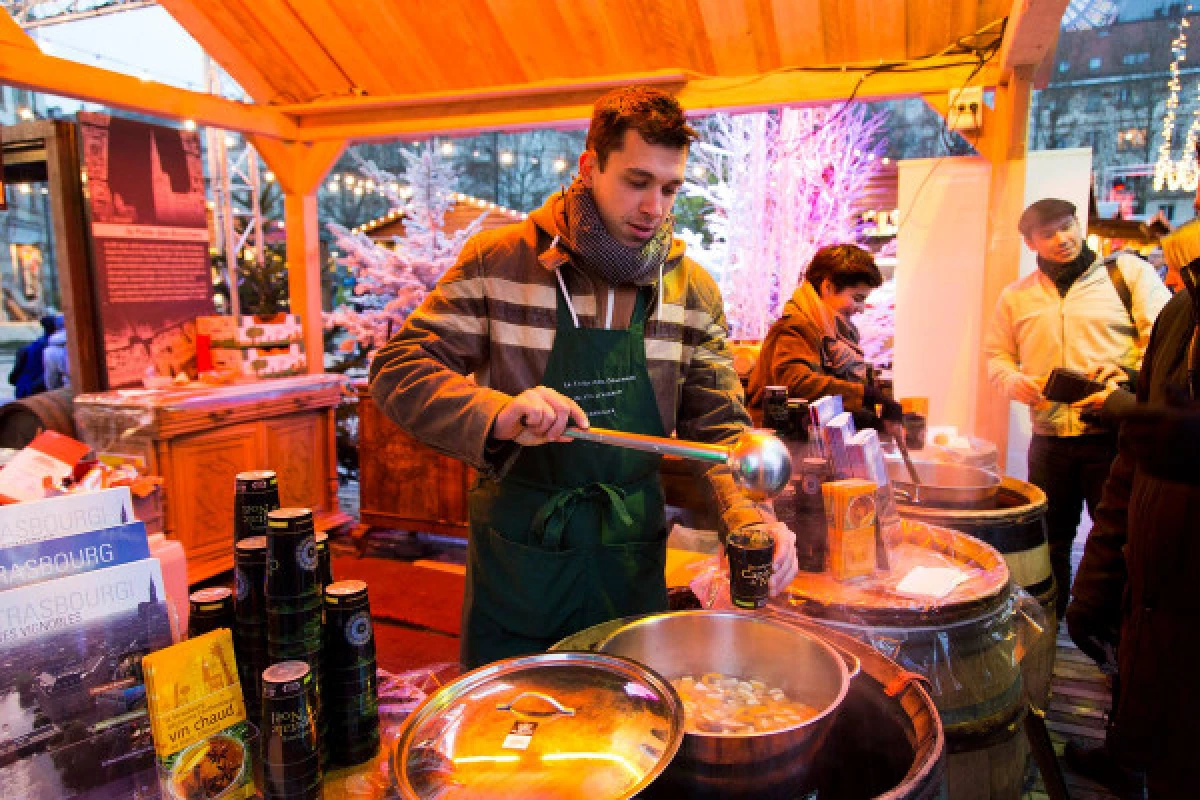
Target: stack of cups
(255, 494)
(294, 608)
(209, 609)
(350, 686)
(291, 747)
(250, 614)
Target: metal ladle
(760, 463)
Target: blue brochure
(48, 559)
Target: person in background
(54, 358)
(1083, 313)
(28, 375)
(1137, 591)
(813, 349)
(586, 313)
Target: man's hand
(538, 416)
(1111, 376)
(1027, 391)
(783, 566)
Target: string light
(25, 113)
(560, 164)
(189, 124)
(507, 158)
(1184, 174)
(447, 148)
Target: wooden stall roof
(369, 69)
(465, 211)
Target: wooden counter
(198, 439)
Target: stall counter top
(200, 397)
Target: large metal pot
(943, 484)
(748, 645)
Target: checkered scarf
(601, 253)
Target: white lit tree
(391, 281)
(778, 186)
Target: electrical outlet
(965, 110)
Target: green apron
(575, 534)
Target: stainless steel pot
(748, 645)
(943, 484)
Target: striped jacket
(484, 335)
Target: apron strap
(550, 522)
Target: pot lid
(558, 725)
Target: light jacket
(1034, 330)
(484, 335)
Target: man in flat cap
(1086, 314)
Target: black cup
(249, 577)
(255, 494)
(750, 554)
(291, 554)
(324, 564)
(294, 626)
(209, 609)
(289, 713)
(349, 635)
(914, 431)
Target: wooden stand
(198, 439)
(402, 483)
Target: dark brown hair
(1046, 211)
(653, 113)
(845, 266)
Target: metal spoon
(760, 462)
(912, 468)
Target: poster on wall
(27, 269)
(145, 190)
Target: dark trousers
(1071, 470)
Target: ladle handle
(694, 451)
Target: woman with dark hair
(813, 349)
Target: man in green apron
(587, 313)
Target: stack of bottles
(250, 618)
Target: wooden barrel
(1015, 525)
(23, 419)
(962, 644)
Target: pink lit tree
(392, 281)
(778, 186)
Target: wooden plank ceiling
(292, 52)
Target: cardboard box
(241, 332)
(261, 362)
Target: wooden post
(1003, 144)
(300, 167)
(57, 144)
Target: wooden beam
(1003, 143)
(1031, 34)
(11, 33)
(300, 167)
(544, 105)
(216, 43)
(39, 72)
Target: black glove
(1097, 640)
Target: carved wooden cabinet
(402, 483)
(198, 440)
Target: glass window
(1095, 62)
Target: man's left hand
(783, 566)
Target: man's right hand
(1027, 391)
(538, 416)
